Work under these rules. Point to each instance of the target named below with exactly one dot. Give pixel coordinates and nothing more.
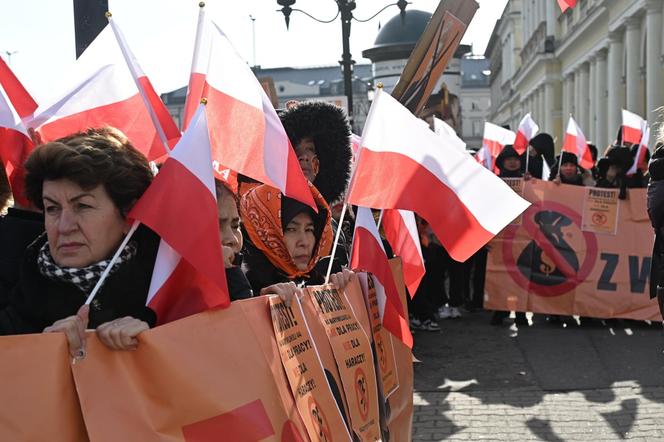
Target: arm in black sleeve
(238, 284)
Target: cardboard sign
(352, 351)
(383, 346)
(433, 51)
(304, 370)
(550, 264)
(516, 184)
(600, 210)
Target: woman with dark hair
(570, 172)
(285, 240)
(85, 184)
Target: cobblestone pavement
(542, 382)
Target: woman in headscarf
(285, 240)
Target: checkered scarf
(85, 277)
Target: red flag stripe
(19, 97)
(406, 246)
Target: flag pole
(380, 218)
(527, 157)
(128, 57)
(197, 44)
(350, 182)
(110, 265)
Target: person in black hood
(542, 150)
(570, 172)
(320, 135)
(509, 163)
(612, 169)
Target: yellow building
(590, 62)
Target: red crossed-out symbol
(362, 393)
(573, 278)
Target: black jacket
(18, 228)
(37, 302)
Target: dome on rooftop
(397, 38)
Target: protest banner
(351, 348)
(383, 346)
(194, 379)
(550, 264)
(600, 210)
(38, 395)
(433, 51)
(299, 356)
(215, 373)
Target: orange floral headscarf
(260, 209)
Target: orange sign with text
(555, 263)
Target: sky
(40, 33)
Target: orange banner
(38, 395)
(551, 264)
(352, 350)
(214, 375)
(321, 414)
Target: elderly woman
(85, 184)
(286, 241)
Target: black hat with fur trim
(543, 144)
(327, 125)
(507, 152)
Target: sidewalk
(543, 382)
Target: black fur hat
(543, 144)
(507, 152)
(328, 126)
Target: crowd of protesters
(80, 189)
(449, 288)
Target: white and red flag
(494, 140)
(181, 207)
(632, 127)
(355, 144)
(402, 165)
(103, 92)
(400, 229)
(246, 133)
(640, 161)
(368, 254)
(527, 130)
(575, 142)
(566, 4)
(16, 105)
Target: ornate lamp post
(346, 12)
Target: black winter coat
(36, 302)
(18, 228)
(655, 204)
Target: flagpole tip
(201, 5)
(204, 101)
(108, 14)
(379, 85)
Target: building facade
(475, 98)
(589, 62)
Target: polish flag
(566, 4)
(246, 131)
(402, 166)
(181, 207)
(369, 255)
(632, 127)
(16, 94)
(401, 232)
(575, 142)
(103, 92)
(15, 146)
(446, 131)
(494, 140)
(16, 106)
(640, 157)
(527, 130)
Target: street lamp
(9, 57)
(345, 9)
